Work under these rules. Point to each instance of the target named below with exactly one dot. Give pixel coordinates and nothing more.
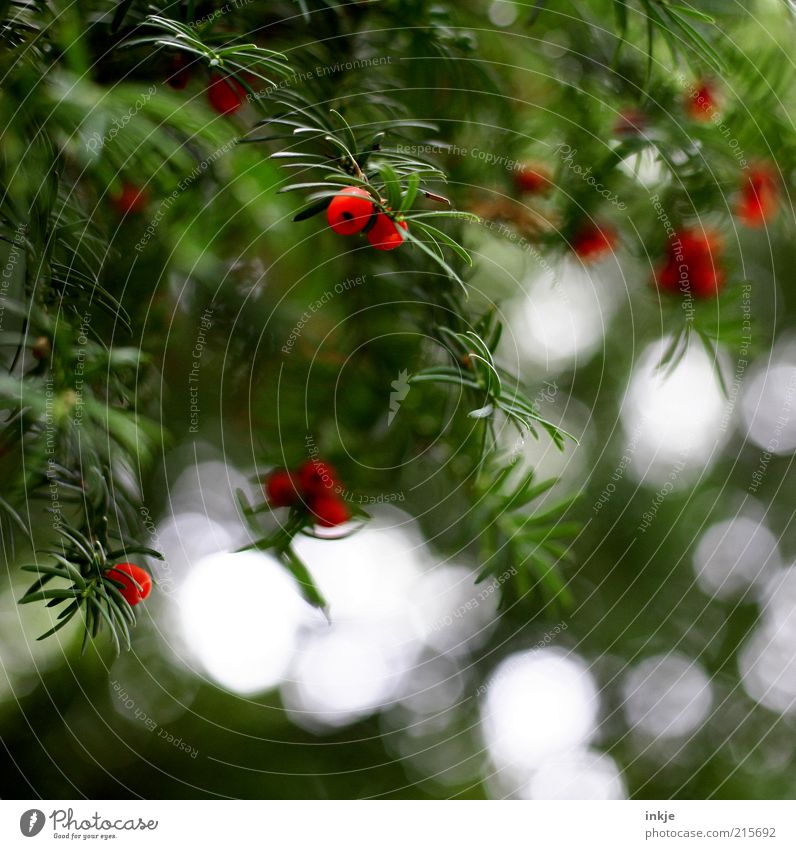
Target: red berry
(131, 199)
(42, 348)
(316, 478)
(532, 179)
(226, 94)
(384, 235)
(631, 122)
(591, 241)
(329, 510)
(758, 201)
(702, 101)
(280, 489)
(128, 575)
(180, 71)
(692, 264)
(350, 211)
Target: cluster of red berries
(224, 93)
(693, 264)
(591, 241)
(631, 122)
(136, 584)
(130, 200)
(352, 211)
(693, 257)
(533, 179)
(702, 101)
(313, 487)
(757, 203)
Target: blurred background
(672, 670)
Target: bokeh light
(733, 555)
(767, 407)
(767, 662)
(564, 316)
(241, 616)
(503, 13)
(667, 696)
(767, 665)
(577, 774)
(390, 604)
(538, 704)
(674, 417)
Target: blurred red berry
(758, 200)
(329, 510)
(350, 211)
(280, 489)
(128, 575)
(702, 101)
(225, 94)
(532, 180)
(180, 72)
(631, 122)
(593, 241)
(131, 199)
(384, 234)
(692, 264)
(316, 478)
(42, 348)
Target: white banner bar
(399, 824)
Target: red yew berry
(758, 201)
(702, 101)
(592, 242)
(329, 510)
(532, 180)
(280, 489)
(384, 235)
(225, 94)
(128, 575)
(179, 66)
(312, 487)
(350, 211)
(316, 478)
(692, 264)
(631, 122)
(131, 199)
(42, 348)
